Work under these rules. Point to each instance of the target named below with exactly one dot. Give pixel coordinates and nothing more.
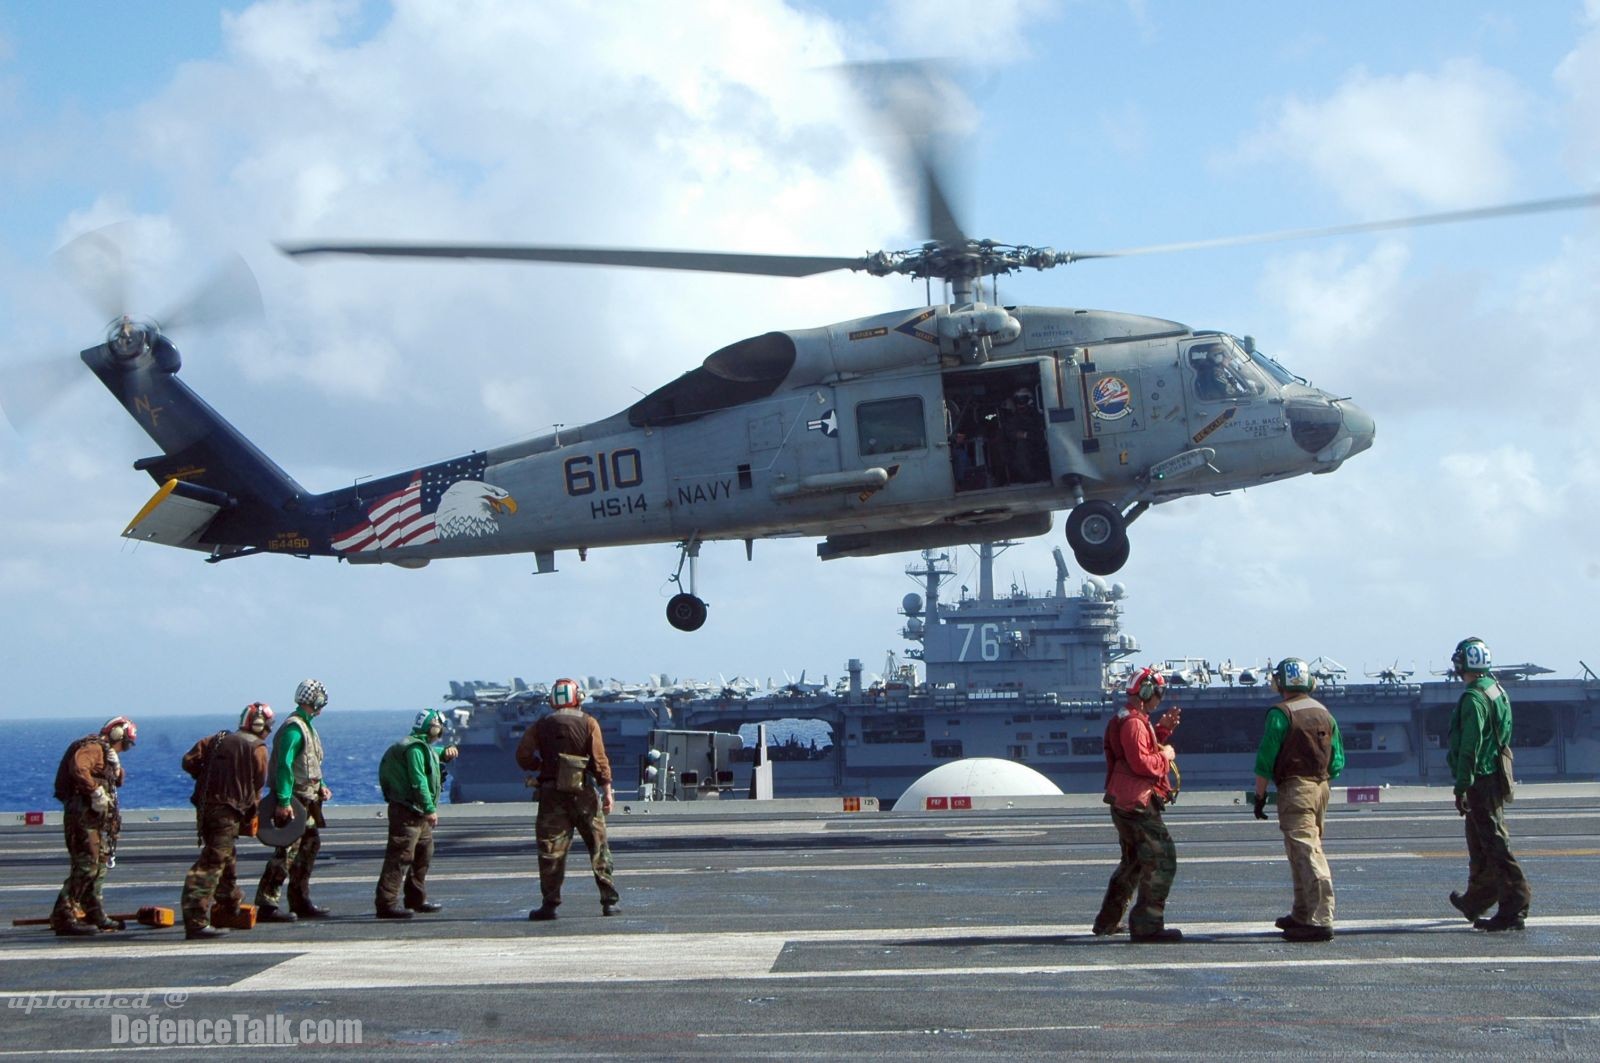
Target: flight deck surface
(874, 936)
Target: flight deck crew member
(1138, 760)
(412, 779)
(1479, 728)
(1300, 752)
(566, 749)
(295, 772)
(86, 785)
(230, 768)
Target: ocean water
(353, 743)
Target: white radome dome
(976, 777)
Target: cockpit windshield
(1275, 370)
(1222, 371)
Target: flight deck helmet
(1293, 674)
(1471, 655)
(565, 694)
(256, 718)
(120, 729)
(1147, 685)
(423, 725)
(311, 695)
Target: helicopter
(954, 422)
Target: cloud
(1578, 75)
(1413, 141)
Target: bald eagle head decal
(470, 509)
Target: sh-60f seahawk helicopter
(932, 426)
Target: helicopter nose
(1359, 424)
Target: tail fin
(219, 492)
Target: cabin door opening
(996, 427)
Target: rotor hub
(129, 337)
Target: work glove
(99, 800)
(282, 815)
(1260, 803)
(1461, 804)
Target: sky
(215, 128)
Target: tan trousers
(1302, 803)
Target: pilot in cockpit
(1211, 378)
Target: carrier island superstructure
(1028, 677)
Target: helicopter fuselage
(915, 428)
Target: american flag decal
(443, 501)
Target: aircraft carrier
(1024, 677)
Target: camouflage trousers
(215, 874)
(1493, 874)
(1302, 804)
(293, 863)
(406, 860)
(88, 845)
(1149, 862)
(559, 815)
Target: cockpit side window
(1223, 373)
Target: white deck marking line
(1335, 857)
(719, 956)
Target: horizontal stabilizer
(176, 515)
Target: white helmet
(1471, 655)
(311, 694)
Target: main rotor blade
(702, 261)
(1449, 217)
(941, 217)
(230, 293)
(915, 100)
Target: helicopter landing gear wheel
(1096, 528)
(1106, 563)
(686, 612)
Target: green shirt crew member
(412, 780)
(1480, 728)
(296, 772)
(1301, 751)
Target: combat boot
(1459, 903)
(306, 910)
(610, 909)
(1502, 921)
(1165, 936)
(74, 929)
(271, 913)
(204, 933)
(1288, 922)
(389, 911)
(101, 921)
(425, 907)
(543, 913)
(1308, 932)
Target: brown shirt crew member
(568, 753)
